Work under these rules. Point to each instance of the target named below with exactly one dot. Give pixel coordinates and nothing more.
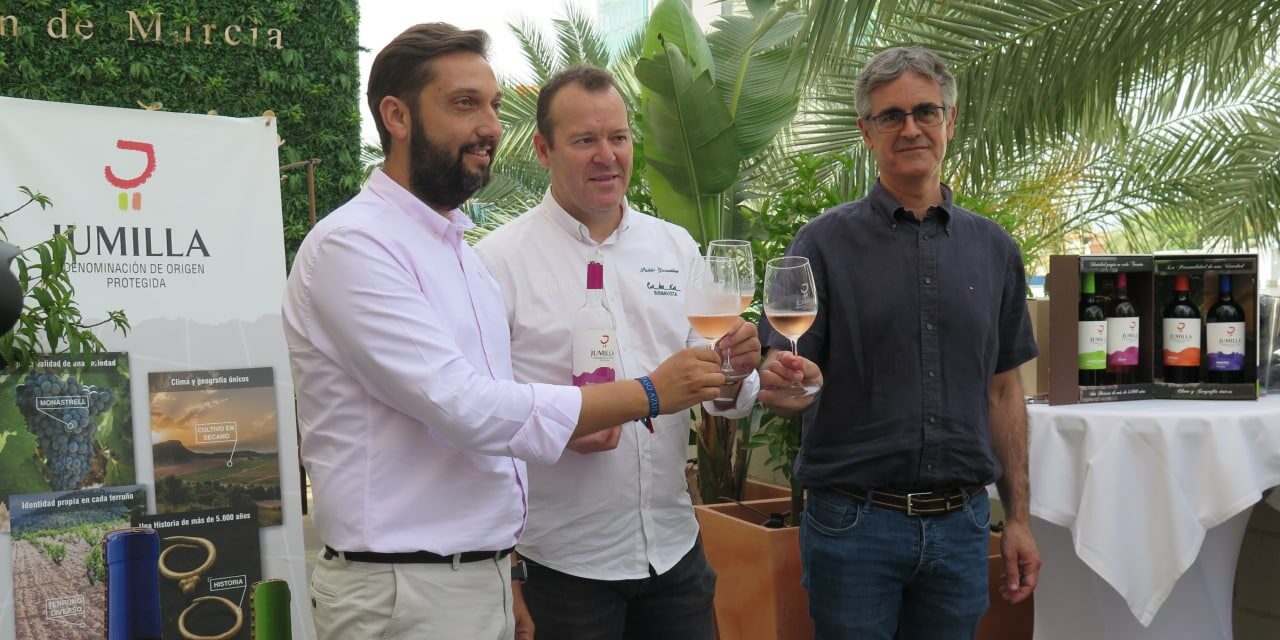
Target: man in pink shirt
(413, 432)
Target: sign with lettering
(176, 220)
(145, 26)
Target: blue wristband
(652, 393)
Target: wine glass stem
(795, 350)
(727, 369)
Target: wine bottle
(1123, 329)
(1224, 330)
(133, 584)
(270, 613)
(1181, 335)
(1092, 334)
(595, 348)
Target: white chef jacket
(606, 515)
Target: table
(1140, 508)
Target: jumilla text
(151, 29)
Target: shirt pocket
(969, 303)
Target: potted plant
(697, 149)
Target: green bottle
(1092, 334)
(271, 614)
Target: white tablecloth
(1139, 483)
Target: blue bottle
(133, 584)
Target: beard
(439, 175)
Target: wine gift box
(1222, 372)
(1064, 287)
(1151, 287)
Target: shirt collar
(447, 226)
(577, 230)
(887, 207)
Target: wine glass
(791, 301)
(711, 301)
(740, 252)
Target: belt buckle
(910, 496)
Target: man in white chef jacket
(611, 540)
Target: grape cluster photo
(66, 434)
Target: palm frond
(537, 52)
(578, 40)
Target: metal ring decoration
(225, 635)
(187, 579)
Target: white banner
(178, 224)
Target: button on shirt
(412, 429)
(914, 318)
(607, 515)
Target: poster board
(178, 224)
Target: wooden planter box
(758, 591)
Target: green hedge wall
(303, 66)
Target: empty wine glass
(791, 301)
(740, 252)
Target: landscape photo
(214, 441)
(59, 571)
(65, 424)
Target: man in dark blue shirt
(922, 323)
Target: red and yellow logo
(126, 184)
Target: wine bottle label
(595, 356)
(1225, 345)
(1122, 341)
(1182, 342)
(1092, 344)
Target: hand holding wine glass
(791, 301)
(779, 391)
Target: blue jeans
(879, 574)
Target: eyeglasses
(930, 116)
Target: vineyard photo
(66, 426)
(58, 564)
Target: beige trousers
(359, 600)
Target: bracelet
(652, 393)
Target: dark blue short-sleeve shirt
(914, 318)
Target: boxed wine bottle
(1100, 337)
(1206, 345)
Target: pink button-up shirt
(413, 432)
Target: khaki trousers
(361, 600)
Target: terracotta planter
(758, 592)
(757, 490)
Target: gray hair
(888, 65)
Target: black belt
(415, 557)
(915, 504)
